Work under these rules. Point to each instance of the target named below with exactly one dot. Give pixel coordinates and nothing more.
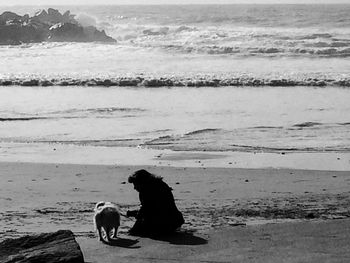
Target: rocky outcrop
(12, 18)
(44, 26)
(58, 247)
(53, 16)
(14, 34)
(71, 32)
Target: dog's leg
(99, 233)
(108, 233)
(115, 232)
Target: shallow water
(206, 119)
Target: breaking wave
(240, 42)
(244, 30)
(201, 81)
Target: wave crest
(202, 81)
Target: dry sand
(228, 211)
(326, 241)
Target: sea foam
(195, 81)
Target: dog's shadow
(181, 238)
(177, 238)
(123, 242)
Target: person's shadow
(181, 238)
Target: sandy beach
(325, 241)
(231, 214)
(243, 109)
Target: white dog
(106, 220)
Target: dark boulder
(16, 34)
(53, 16)
(9, 17)
(68, 32)
(48, 25)
(92, 34)
(58, 247)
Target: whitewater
(228, 78)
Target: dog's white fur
(107, 217)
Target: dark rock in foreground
(44, 26)
(58, 247)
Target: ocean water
(246, 78)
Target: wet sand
(220, 205)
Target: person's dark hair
(143, 177)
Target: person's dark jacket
(158, 211)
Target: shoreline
(138, 156)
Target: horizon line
(181, 4)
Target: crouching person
(158, 214)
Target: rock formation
(12, 17)
(53, 16)
(44, 26)
(58, 247)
